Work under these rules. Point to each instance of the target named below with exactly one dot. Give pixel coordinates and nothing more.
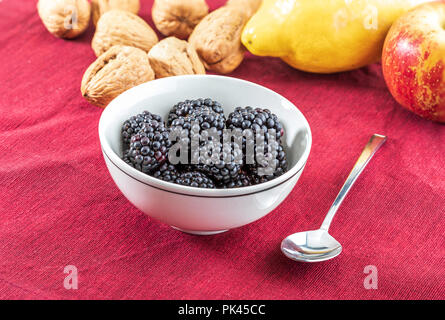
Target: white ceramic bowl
(194, 210)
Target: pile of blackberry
(146, 145)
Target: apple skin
(413, 60)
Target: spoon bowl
(311, 246)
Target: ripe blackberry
(261, 123)
(203, 119)
(126, 158)
(255, 120)
(195, 179)
(279, 166)
(136, 123)
(167, 172)
(149, 147)
(221, 165)
(185, 108)
(200, 126)
(205, 126)
(242, 180)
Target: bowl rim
(170, 187)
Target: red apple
(413, 60)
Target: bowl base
(199, 233)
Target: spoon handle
(371, 148)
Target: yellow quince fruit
(323, 36)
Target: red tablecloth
(59, 206)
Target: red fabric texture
(59, 206)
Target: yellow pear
(323, 36)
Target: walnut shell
(65, 18)
(117, 27)
(217, 39)
(178, 17)
(174, 57)
(247, 7)
(99, 7)
(115, 71)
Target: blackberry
(280, 166)
(185, 108)
(136, 123)
(262, 123)
(167, 172)
(126, 158)
(149, 147)
(222, 165)
(205, 125)
(201, 125)
(203, 118)
(195, 179)
(242, 180)
(255, 120)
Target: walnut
(117, 27)
(173, 57)
(115, 71)
(65, 18)
(99, 7)
(217, 39)
(178, 17)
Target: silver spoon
(319, 245)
